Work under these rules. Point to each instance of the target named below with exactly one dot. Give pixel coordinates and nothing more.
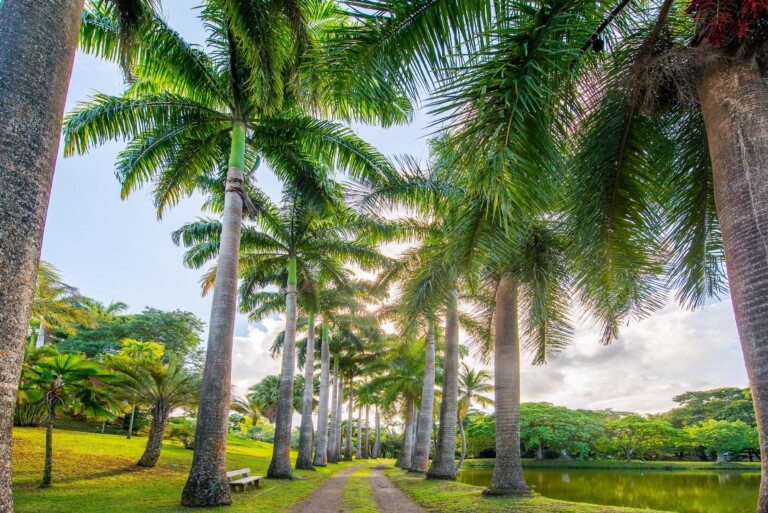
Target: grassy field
(624, 465)
(97, 473)
(453, 497)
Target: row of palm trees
(614, 149)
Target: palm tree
(68, 379)
(472, 384)
(37, 49)
(57, 305)
(139, 351)
(191, 117)
(162, 387)
(265, 396)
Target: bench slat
(239, 472)
(246, 480)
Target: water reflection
(682, 491)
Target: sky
(113, 249)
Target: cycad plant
(189, 116)
(57, 305)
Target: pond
(681, 491)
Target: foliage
(558, 429)
(729, 404)
(723, 436)
(633, 432)
(183, 430)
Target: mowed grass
(97, 473)
(454, 497)
(625, 465)
(358, 496)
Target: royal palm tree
(299, 242)
(162, 387)
(472, 384)
(191, 117)
(37, 49)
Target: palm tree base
(443, 477)
(416, 471)
(507, 492)
(202, 491)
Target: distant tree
(68, 380)
(632, 432)
(266, 394)
(729, 404)
(56, 305)
(472, 384)
(722, 436)
(544, 426)
(182, 430)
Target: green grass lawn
(454, 497)
(619, 465)
(97, 473)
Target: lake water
(679, 490)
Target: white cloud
(251, 361)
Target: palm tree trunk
(280, 467)
(350, 411)
(37, 49)
(377, 435)
(463, 444)
(155, 439)
(735, 106)
(443, 466)
(404, 458)
(130, 422)
(424, 432)
(46, 482)
(508, 478)
(366, 444)
(414, 431)
(359, 452)
(340, 416)
(321, 441)
(331, 454)
(304, 459)
(207, 483)
(42, 335)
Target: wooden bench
(244, 480)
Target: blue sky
(117, 250)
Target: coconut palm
(162, 387)
(192, 117)
(37, 49)
(472, 384)
(68, 379)
(57, 305)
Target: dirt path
(327, 499)
(389, 498)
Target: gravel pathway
(389, 498)
(327, 499)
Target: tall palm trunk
(339, 416)
(359, 452)
(207, 483)
(414, 431)
(155, 439)
(404, 458)
(443, 466)
(366, 444)
(350, 411)
(424, 432)
(46, 482)
(463, 444)
(377, 434)
(331, 454)
(735, 106)
(304, 459)
(42, 336)
(508, 478)
(280, 466)
(37, 50)
(321, 441)
(130, 422)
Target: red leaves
(723, 22)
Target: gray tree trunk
(350, 411)
(359, 452)
(339, 416)
(508, 478)
(735, 106)
(366, 444)
(424, 432)
(130, 422)
(404, 458)
(207, 483)
(443, 465)
(37, 49)
(42, 336)
(304, 458)
(463, 444)
(280, 466)
(46, 482)
(414, 431)
(334, 414)
(321, 441)
(377, 435)
(155, 439)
